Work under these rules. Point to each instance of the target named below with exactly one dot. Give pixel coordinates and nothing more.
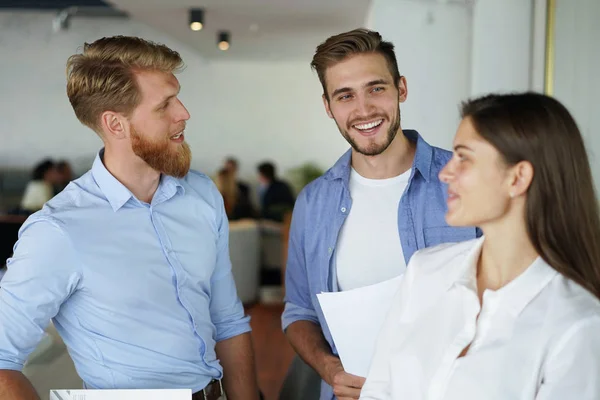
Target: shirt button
(329, 250)
(343, 209)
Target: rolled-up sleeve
(226, 309)
(298, 304)
(41, 276)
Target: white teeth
(370, 125)
(177, 136)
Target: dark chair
(9, 231)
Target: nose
(446, 174)
(182, 113)
(364, 106)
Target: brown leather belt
(212, 391)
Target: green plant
(304, 174)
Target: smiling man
(131, 261)
(360, 222)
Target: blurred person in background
(65, 175)
(244, 208)
(41, 187)
(229, 189)
(276, 195)
(232, 165)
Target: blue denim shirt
(322, 208)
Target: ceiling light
(223, 41)
(196, 19)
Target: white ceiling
(260, 29)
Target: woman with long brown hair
(516, 313)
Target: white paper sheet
(355, 318)
(170, 394)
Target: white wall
(576, 66)
(258, 110)
(433, 43)
(251, 110)
(265, 110)
(502, 46)
(538, 59)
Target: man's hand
(345, 386)
(307, 339)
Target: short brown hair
(562, 215)
(102, 77)
(347, 44)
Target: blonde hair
(102, 77)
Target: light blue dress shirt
(140, 293)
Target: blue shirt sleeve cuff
(293, 313)
(227, 331)
(4, 364)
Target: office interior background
(259, 100)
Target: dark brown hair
(359, 41)
(268, 170)
(562, 210)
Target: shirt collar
(168, 187)
(421, 163)
(514, 296)
(466, 274)
(117, 194)
(523, 289)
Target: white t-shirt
(369, 249)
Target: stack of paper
(146, 394)
(354, 318)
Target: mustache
(359, 121)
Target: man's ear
(114, 125)
(326, 104)
(402, 90)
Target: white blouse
(538, 337)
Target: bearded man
(130, 261)
(360, 223)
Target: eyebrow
(368, 84)
(462, 147)
(166, 100)
(340, 91)
(377, 82)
